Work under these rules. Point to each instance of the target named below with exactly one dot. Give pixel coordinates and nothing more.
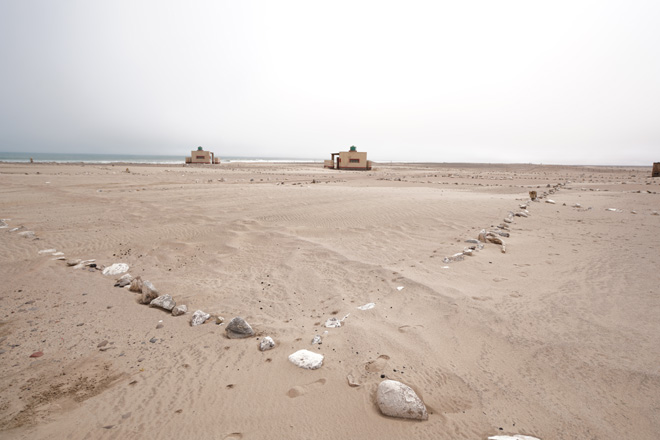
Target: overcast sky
(449, 81)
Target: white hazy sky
(449, 81)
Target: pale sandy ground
(559, 338)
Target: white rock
(612, 209)
(199, 317)
(399, 288)
(396, 399)
(116, 269)
(306, 359)
(179, 310)
(83, 263)
(48, 251)
(512, 437)
(552, 202)
(26, 234)
(164, 302)
(58, 254)
(333, 323)
(266, 343)
(367, 306)
(316, 340)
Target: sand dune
(557, 338)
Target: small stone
(73, 262)
(333, 323)
(512, 437)
(124, 281)
(102, 344)
(317, 340)
(552, 202)
(153, 340)
(136, 285)
(27, 234)
(116, 269)
(219, 320)
(306, 359)
(37, 354)
(164, 302)
(352, 382)
(47, 251)
(179, 310)
(149, 292)
(396, 399)
(198, 318)
(238, 328)
(367, 306)
(159, 326)
(266, 343)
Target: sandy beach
(557, 338)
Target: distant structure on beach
(656, 169)
(201, 156)
(348, 160)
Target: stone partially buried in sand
(266, 343)
(164, 302)
(238, 328)
(149, 292)
(306, 359)
(512, 437)
(116, 269)
(180, 310)
(396, 399)
(198, 318)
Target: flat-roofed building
(348, 160)
(201, 156)
(656, 169)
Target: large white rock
(512, 437)
(116, 269)
(396, 399)
(306, 359)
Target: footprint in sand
(303, 389)
(407, 328)
(378, 364)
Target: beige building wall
(197, 156)
(353, 160)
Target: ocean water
(129, 158)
